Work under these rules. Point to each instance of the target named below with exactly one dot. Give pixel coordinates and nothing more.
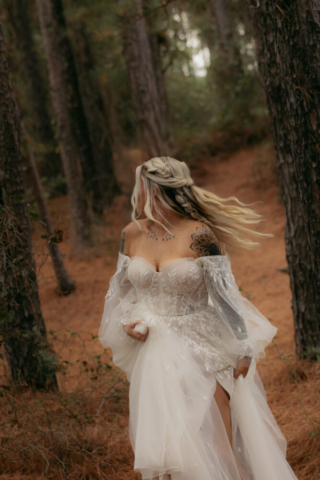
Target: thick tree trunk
(288, 52)
(95, 114)
(65, 286)
(19, 18)
(29, 356)
(143, 83)
(74, 141)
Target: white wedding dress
(199, 327)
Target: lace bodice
(196, 297)
(199, 328)
(177, 289)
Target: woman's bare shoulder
(203, 240)
(135, 229)
(130, 232)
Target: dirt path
(250, 176)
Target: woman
(187, 339)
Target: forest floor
(292, 386)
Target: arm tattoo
(122, 240)
(205, 243)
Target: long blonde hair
(167, 182)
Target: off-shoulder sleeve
(244, 330)
(119, 299)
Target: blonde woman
(187, 339)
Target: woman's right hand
(130, 330)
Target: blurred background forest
(99, 87)
(205, 68)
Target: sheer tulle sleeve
(119, 300)
(244, 330)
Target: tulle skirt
(176, 429)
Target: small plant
(79, 427)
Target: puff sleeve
(120, 298)
(244, 330)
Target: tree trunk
(288, 52)
(19, 18)
(65, 286)
(230, 50)
(155, 40)
(74, 142)
(29, 356)
(207, 33)
(96, 116)
(221, 12)
(227, 68)
(137, 53)
(117, 137)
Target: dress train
(199, 326)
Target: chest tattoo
(165, 238)
(205, 242)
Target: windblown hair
(168, 185)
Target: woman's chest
(178, 276)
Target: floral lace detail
(178, 295)
(176, 290)
(197, 299)
(200, 331)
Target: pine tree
(30, 358)
(96, 116)
(143, 84)
(74, 141)
(288, 51)
(37, 92)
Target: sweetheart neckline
(175, 260)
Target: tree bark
(65, 286)
(229, 50)
(29, 356)
(117, 137)
(74, 142)
(137, 53)
(221, 12)
(155, 40)
(19, 18)
(227, 68)
(95, 114)
(288, 52)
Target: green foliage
(312, 353)
(207, 113)
(190, 105)
(196, 109)
(54, 186)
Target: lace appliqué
(195, 297)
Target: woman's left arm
(245, 332)
(238, 325)
(205, 243)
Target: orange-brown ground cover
(292, 387)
